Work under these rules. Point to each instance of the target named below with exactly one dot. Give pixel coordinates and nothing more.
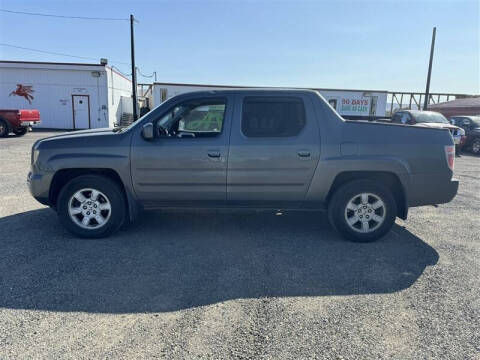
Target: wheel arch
(63, 176)
(389, 179)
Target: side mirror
(147, 131)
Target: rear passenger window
(272, 116)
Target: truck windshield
(430, 117)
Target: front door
(186, 164)
(274, 150)
(81, 111)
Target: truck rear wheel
(362, 210)
(3, 128)
(91, 206)
(20, 131)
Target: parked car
(17, 121)
(261, 149)
(471, 125)
(430, 119)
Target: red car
(17, 121)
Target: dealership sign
(355, 106)
(351, 104)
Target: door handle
(213, 154)
(303, 153)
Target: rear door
(274, 150)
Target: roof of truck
(251, 90)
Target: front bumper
(39, 186)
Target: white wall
(118, 87)
(349, 102)
(53, 87)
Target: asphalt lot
(214, 284)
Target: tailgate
(29, 115)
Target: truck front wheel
(91, 206)
(362, 210)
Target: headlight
(461, 132)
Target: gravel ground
(214, 284)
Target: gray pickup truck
(261, 149)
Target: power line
(48, 52)
(59, 54)
(120, 71)
(146, 76)
(154, 74)
(63, 16)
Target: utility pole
(427, 90)
(134, 70)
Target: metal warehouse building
(68, 95)
(353, 104)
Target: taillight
(450, 155)
(19, 114)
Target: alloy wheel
(365, 212)
(89, 208)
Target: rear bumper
(28, 123)
(459, 140)
(431, 189)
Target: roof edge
(47, 63)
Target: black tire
(3, 128)
(475, 147)
(20, 131)
(114, 195)
(337, 210)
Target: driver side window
(199, 117)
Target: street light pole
(427, 90)
(134, 70)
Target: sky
(376, 45)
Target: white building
(68, 95)
(354, 104)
